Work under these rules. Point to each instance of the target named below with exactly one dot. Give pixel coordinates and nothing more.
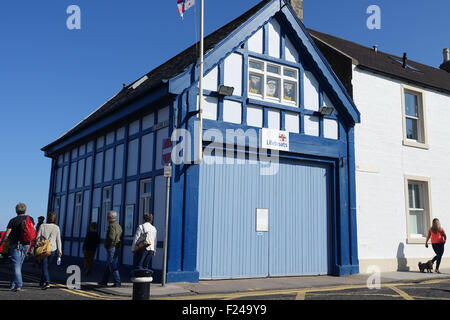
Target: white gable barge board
(322, 65)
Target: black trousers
(439, 250)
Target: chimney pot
(375, 48)
(446, 64)
(446, 55)
(298, 7)
(405, 60)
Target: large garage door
(297, 199)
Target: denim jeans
(45, 263)
(18, 253)
(143, 259)
(112, 266)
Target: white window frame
(281, 77)
(145, 199)
(426, 200)
(106, 206)
(422, 141)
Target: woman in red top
(438, 239)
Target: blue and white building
(230, 216)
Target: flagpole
(200, 87)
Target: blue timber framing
(181, 93)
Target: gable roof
(160, 75)
(179, 65)
(387, 64)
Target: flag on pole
(184, 5)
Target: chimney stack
(446, 64)
(298, 7)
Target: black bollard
(141, 284)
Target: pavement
(242, 288)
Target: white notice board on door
(262, 220)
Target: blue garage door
(297, 199)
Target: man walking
(112, 246)
(18, 232)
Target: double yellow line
(79, 292)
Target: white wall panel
(120, 133)
(274, 39)
(273, 121)
(311, 125)
(211, 80)
(311, 92)
(147, 153)
(109, 156)
(233, 73)
(65, 177)
(255, 42)
(163, 114)
(132, 157)
(291, 52)
(88, 175)
(80, 179)
(127, 256)
(148, 121)
(209, 107)
(254, 116)
(330, 129)
(292, 122)
(134, 128)
(98, 168)
(110, 138)
(69, 218)
(118, 165)
(232, 111)
(73, 175)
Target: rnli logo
(282, 137)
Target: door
(297, 199)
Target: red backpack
(28, 231)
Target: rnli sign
(274, 139)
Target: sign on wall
(262, 220)
(274, 139)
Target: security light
(226, 91)
(326, 111)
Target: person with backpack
(21, 233)
(49, 231)
(144, 243)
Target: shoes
(101, 283)
(437, 271)
(45, 286)
(17, 289)
(117, 286)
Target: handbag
(44, 249)
(144, 240)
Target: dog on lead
(426, 266)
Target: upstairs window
(414, 119)
(273, 82)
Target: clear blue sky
(51, 78)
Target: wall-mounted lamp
(225, 91)
(326, 111)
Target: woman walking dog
(438, 239)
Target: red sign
(166, 150)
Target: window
(145, 199)
(78, 213)
(414, 118)
(105, 208)
(418, 209)
(272, 82)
